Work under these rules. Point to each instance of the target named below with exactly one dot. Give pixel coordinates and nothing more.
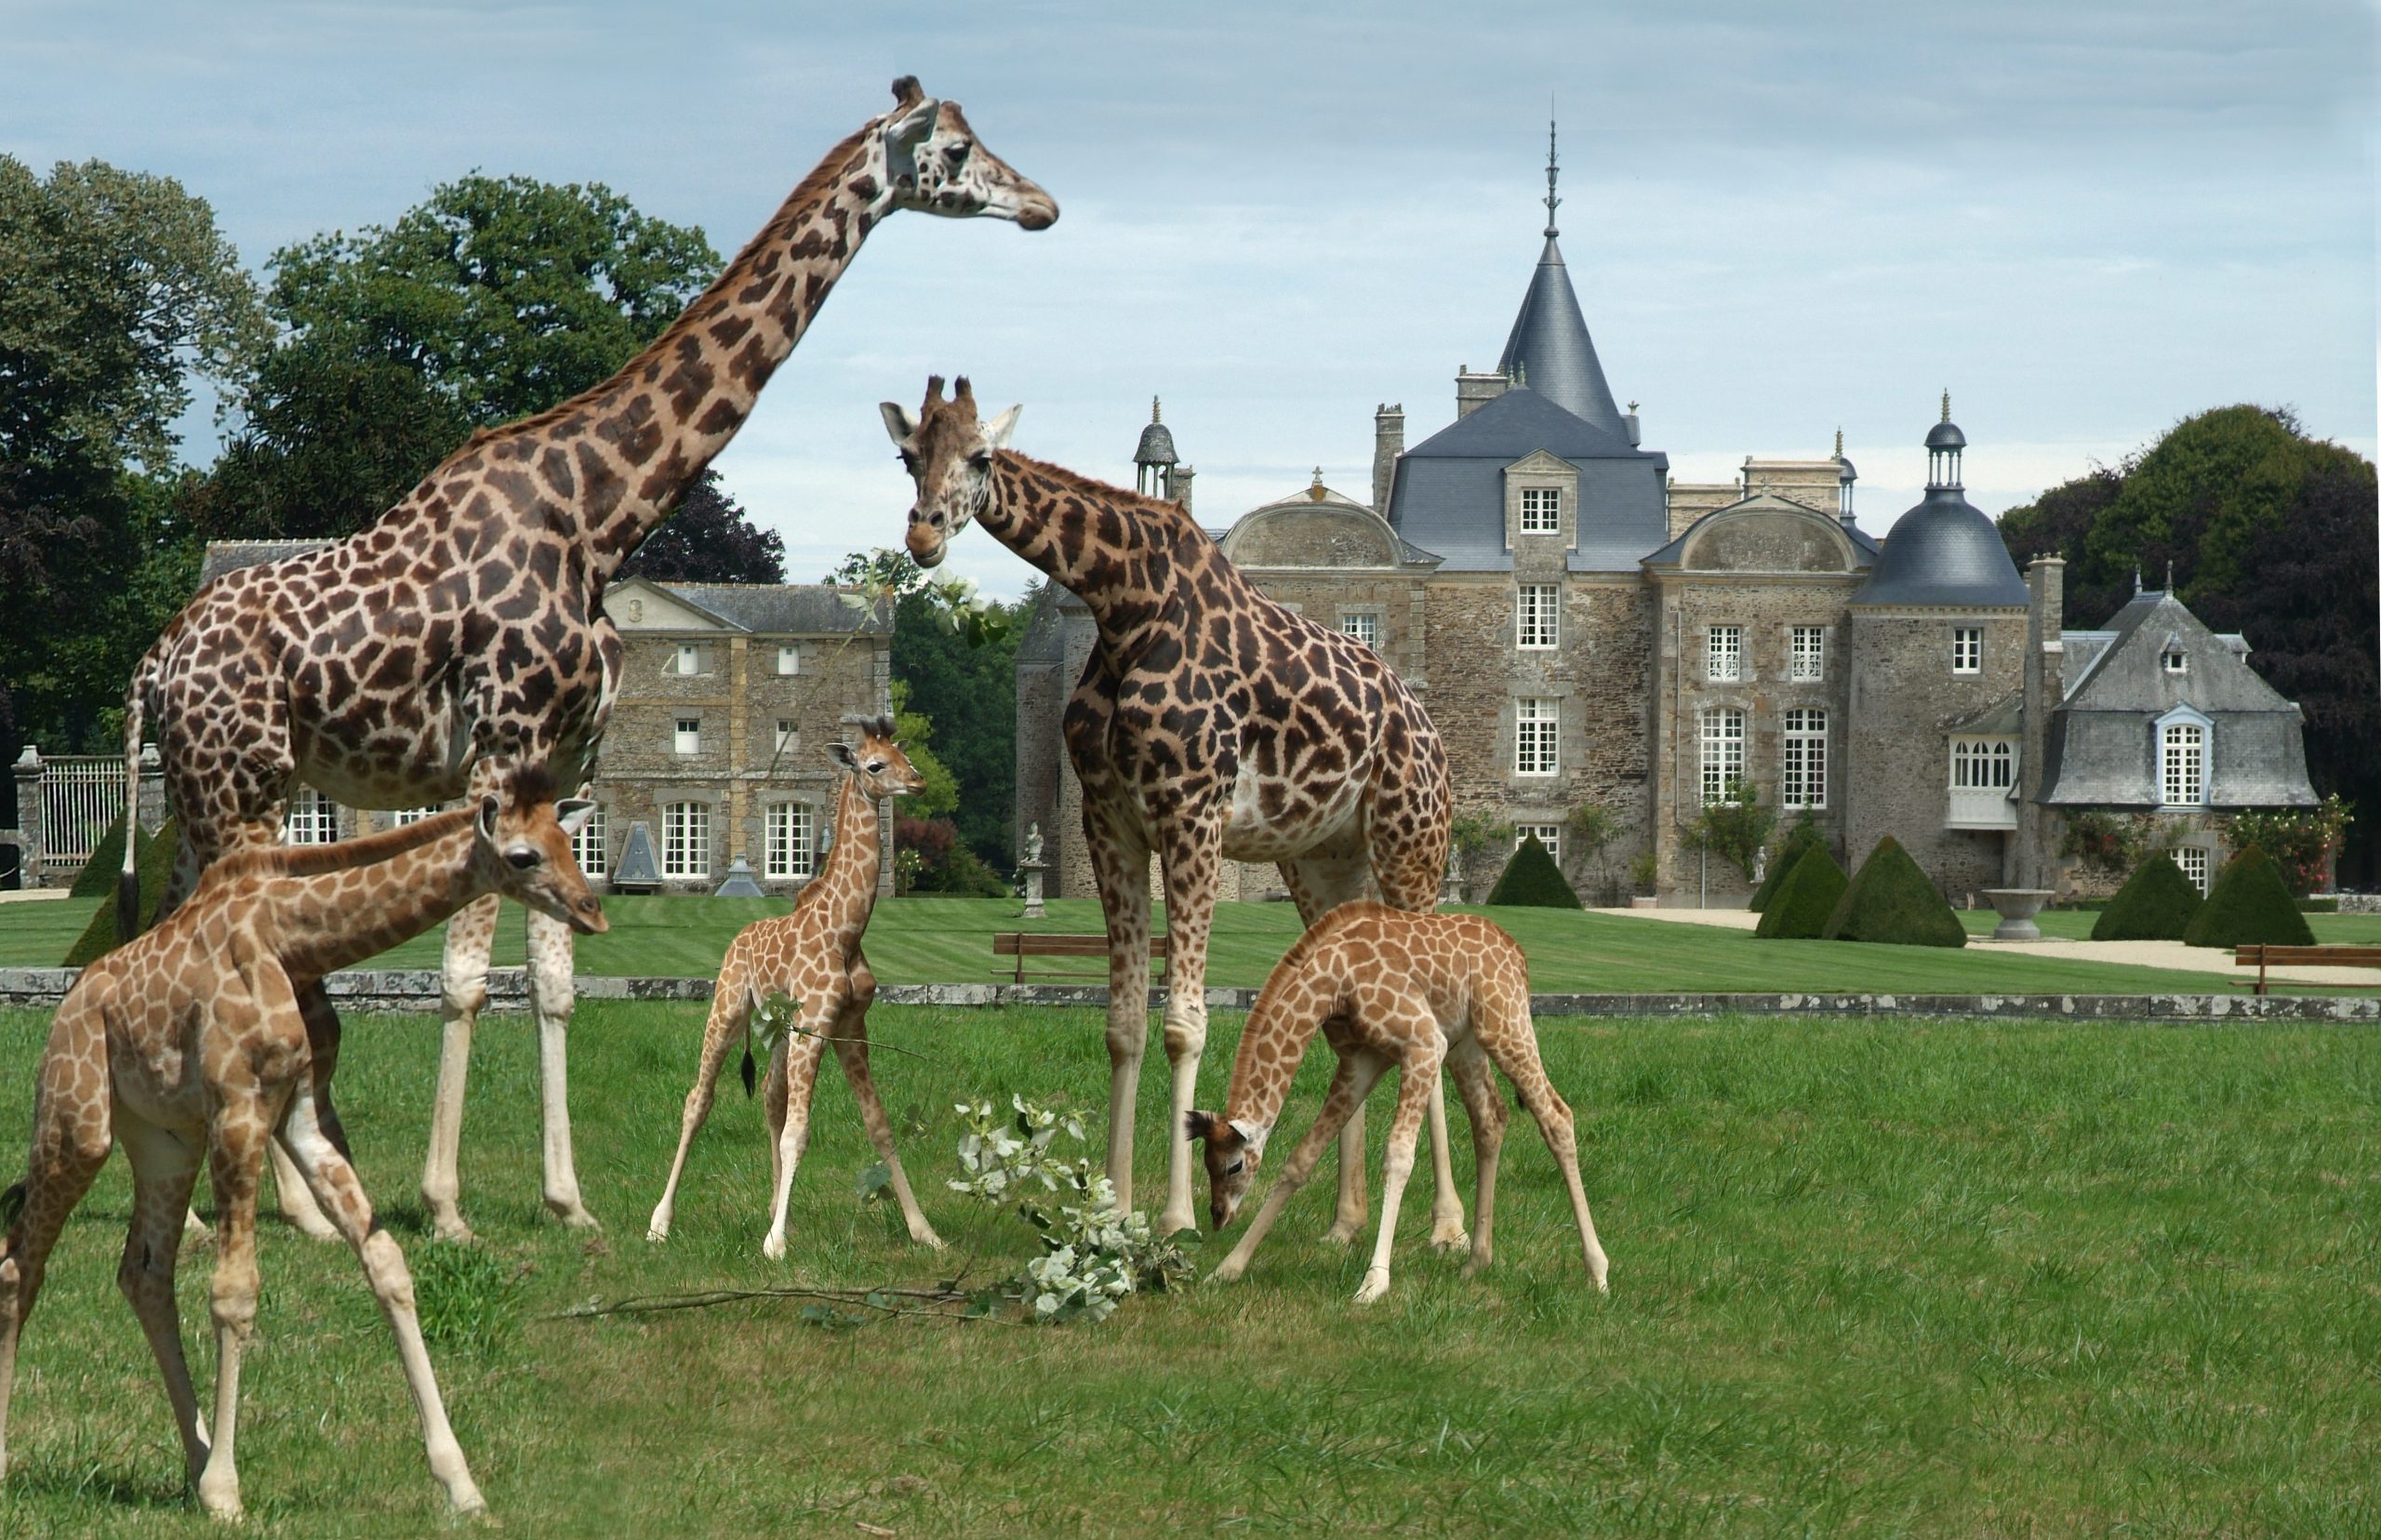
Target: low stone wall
(2360, 903)
(417, 989)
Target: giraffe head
(949, 454)
(523, 850)
(937, 165)
(1232, 1155)
(875, 761)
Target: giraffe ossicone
(463, 633)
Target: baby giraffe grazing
(812, 957)
(1387, 987)
(189, 1040)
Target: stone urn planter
(2017, 907)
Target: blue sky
(2086, 219)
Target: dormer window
(1541, 510)
(2176, 661)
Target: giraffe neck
(1281, 1028)
(852, 865)
(325, 918)
(1122, 554)
(634, 443)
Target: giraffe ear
(906, 129)
(489, 808)
(842, 754)
(573, 814)
(1201, 1125)
(996, 431)
(899, 421)
(1252, 1138)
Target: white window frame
(2182, 762)
(687, 737)
(1538, 616)
(2175, 660)
(789, 840)
(789, 736)
(402, 817)
(688, 661)
(312, 819)
(1537, 735)
(1802, 758)
(1808, 651)
(1967, 650)
(789, 658)
(1720, 736)
(589, 846)
(686, 840)
(1549, 835)
(1984, 764)
(2195, 864)
(1541, 510)
(1364, 625)
(1723, 654)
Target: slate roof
(1944, 552)
(1549, 349)
(780, 609)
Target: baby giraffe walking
(189, 1041)
(812, 957)
(1387, 987)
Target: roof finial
(1552, 168)
(1154, 415)
(1838, 443)
(1947, 404)
(1314, 493)
(2170, 574)
(2136, 579)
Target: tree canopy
(709, 539)
(2270, 533)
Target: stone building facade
(1586, 630)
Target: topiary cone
(1800, 909)
(1532, 878)
(2157, 903)
(2249, 903)
(1891, 899)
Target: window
(1541, 510)
(789, 658)
(686, 840)
(588, 847)
(690, 735)
(405, 815)
(789, 735)
(2177, 663)
(1540, 611)
(791, 843)
(1722, 737)
(1537, 741)
(2182, 764)
(313, 819)
(1967, 649)
(1810, 653)
(1983, 764)
(2193, 860)
(1549, 835)
(1723, 653)
(690, 659)
(1362, 625)
(1805, 758)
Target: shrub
(1890, 900)
(1801, 837)
(2248, 903)
(1532, 878)
(97, 879)
(1805, 901)
(1734, 828)
(935, 861)
(156, 868)
(2301, 841)
(2156, 904)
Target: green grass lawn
(1869, 1276)
(947, 940)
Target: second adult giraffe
(463, 633)
(1210, 724)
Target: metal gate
(81, 795)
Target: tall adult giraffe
(1210, 724)
(463, 633)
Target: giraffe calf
(190, 1040)
(1387, 987)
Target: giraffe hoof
(450, 1228)
(1375, 1284)
(658, 1234)
(928, 1239)
(1449, 1239)
(774, 1248)
(1342, 1231)
(573, 1212)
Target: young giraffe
(1388, 987)
(190, 1040)
(463, 633)
(1210, 724)
(813, 956)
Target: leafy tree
(494, 300)
(709, 539)
(916, 735)
(2270, 534)
(1735, 827)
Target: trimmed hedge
(96, 879)
(2156, 904)
(1532, 878)
(1803, 836)
(2249, 902)
(1890, 900)
(156, 868)
(1800, 907)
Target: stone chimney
(1630, 423)
(1178, 486)
(2031, 859)
(1474, 391)
(1389, 442)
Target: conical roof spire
(1549, 346)
(1552, 166)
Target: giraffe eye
(1235, 1168)
(522, 861)
(957, 154)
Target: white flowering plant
(1093, 1253)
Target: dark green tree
(494, 300)
(969, 693)
(2249, 902)
(710, 539)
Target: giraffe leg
(1194, 864)
(731, 1004)
(1120, 867)
(288, 1184)
(1519, 1062)
(165, 1168)
(550, 950)
(236, 1137)
(1407, 867)
(773, 1100)
(469, 936)
(1349, 1084)
(316, 1143)
(1318, 884)
(1485, 1107)
(70, 1144)
(851, 1052)
(1417, 1079)
(803, 1052)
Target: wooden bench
(1022, 944)
(2263, 955)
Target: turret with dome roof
(1944, 552)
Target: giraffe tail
(747, 1070)
(128, 883)
(12, 1203)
